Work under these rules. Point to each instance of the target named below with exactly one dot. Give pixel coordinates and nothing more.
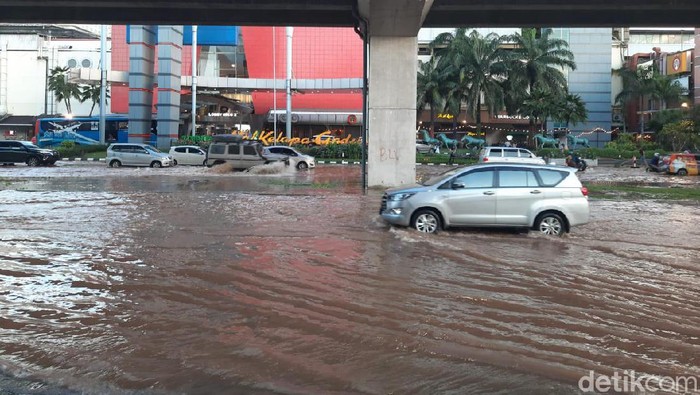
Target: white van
(128, 154)
(509, 155)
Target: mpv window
(551, 178)
(234, 149)
(249, 150)
(510, 153)
(476, 179)
(217, 149)
(496, 152)
(525, 154)
(517, 179)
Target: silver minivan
(549, 199)
(132, 154)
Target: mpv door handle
(489, 193)
(535, 192)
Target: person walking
(642, 159)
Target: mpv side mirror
(458, 185)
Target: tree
(63, 91)
(570, 109)
(666, 89)
(431, 88)
(680, 135)
(92, 92)
(537, 106)
(476, 65)
(539, 61)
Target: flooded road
(162, 281)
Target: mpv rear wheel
(551, 224)
(426, 221)
(682, 172)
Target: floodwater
(185, 280)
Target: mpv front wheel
(551, 224)
(156, 164)
(427, 221)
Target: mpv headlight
(400, 196)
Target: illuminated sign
(445, 116)
(267, 137)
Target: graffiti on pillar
(386, 154)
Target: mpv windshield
(152, 149)
(440, 177)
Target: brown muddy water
(185, 281)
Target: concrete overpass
(390, 27)
(442, 13)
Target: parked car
(131, 154)
(424, 148)
(241, 154)
(509, 155)
(545, 198)
(683, 164)
(188, 155)
(296, 158)
(12, 151)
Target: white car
(188, 155)
(296, 158)
(509, 155)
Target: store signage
(268, 138)
(445, 116)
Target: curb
(333, 162)
(83, 159)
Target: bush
(68, 149)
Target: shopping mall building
(241, 76)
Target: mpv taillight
(486, 158)
(584, 191)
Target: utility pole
(103, 82)
(194, 80)
(290, 32)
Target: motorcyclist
(573, 160)
(655, 163)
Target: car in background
(683, 164)
(240, 154)
(132, 154)
(297, 159)
(549, 199)
(424, 148)
(13, 151)
(508, 155)
(188, 155)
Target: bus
(52, 131)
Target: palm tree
(92, 92)
(570, 109)
(537, 106)
(484, 70)
(666, 89)
(539, 60)
(431, 88)
(477, 65)
(62, 90)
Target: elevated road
(443, 13)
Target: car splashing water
(237, 284)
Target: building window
(72, 63)
(86, 63)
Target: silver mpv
(546, 198)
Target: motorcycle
(576, 162)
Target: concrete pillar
(169, 73)
(392, 27)
(393, 67)
(141, 79)
(696, 68)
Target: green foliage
(680, 136)
(68, 149)
(351, 151)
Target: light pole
(194, 80)
(290, 32)
(103, 82)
